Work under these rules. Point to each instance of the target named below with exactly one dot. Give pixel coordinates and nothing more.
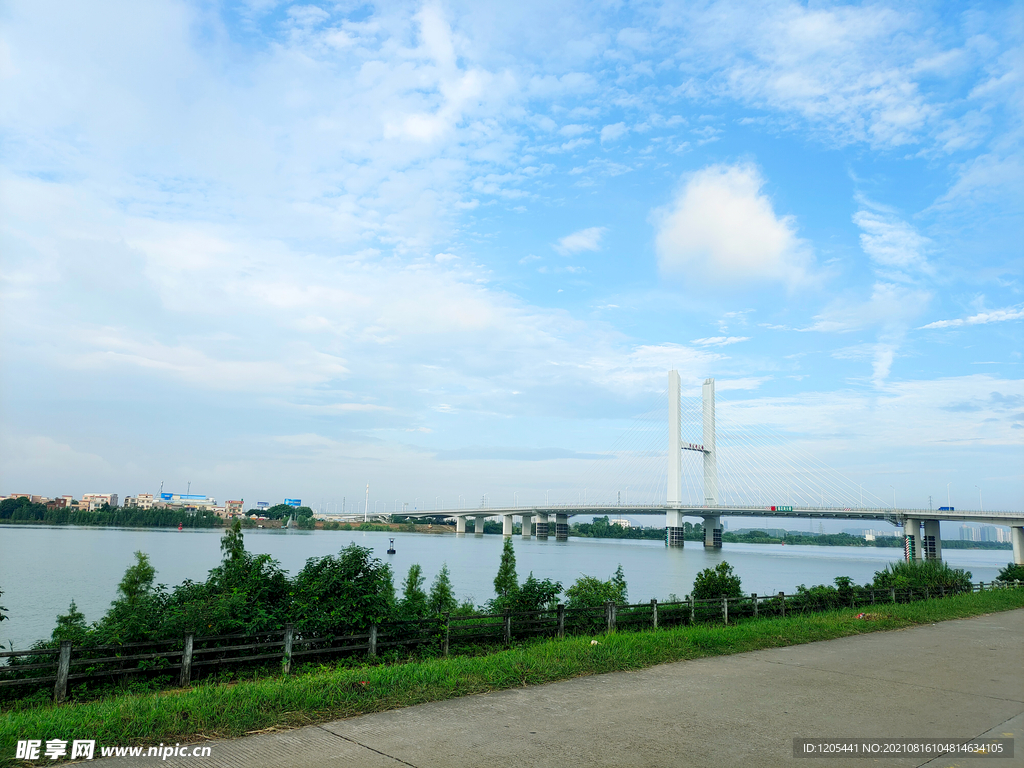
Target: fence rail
(438, 634)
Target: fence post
(609, 615)
(186, 660)
(372, 650)
(447, 633)
(508, 627)
(942, 589)
(892, 593)
(754, 597)
(654, 614)
(60, 689)
(981, 586)
(782, 601)
(561, 620)
(689, 599)
(286, 662)
(872, 597)
(725, 610)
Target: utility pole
(366, 506)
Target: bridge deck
(844, 513)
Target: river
(44, 568)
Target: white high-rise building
(968, 533)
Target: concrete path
(957, 679)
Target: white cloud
(719, 341)
(891, 243)
(722, 227)
(613, 132)
(588, 239)
(995, 316)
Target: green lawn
(326, 693)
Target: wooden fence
(190, 658)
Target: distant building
(232, 508)
(93, 501)
(30, 496)
(141, 501)
(621, 521)
(968, 533)
(989, 533)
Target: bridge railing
(184, 660)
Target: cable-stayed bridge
(742, 471)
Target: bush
(921, 574)
(717, 582)
(1012, 572)
(590, 592)
(347, 591)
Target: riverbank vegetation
(324, 693)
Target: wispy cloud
(584, 240)
(719, 341)
(982, 318)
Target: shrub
(1012, 572)
(591, 592)
(919, 574)
(716, 582)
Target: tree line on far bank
(22, 510)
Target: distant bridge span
(537, 519)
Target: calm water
(42, 568)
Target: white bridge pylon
(676, 446)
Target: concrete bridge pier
(561, 527)
(506, 525)
(932, 540)
(478, 528)
(912, 532)
(540, 528)
(713, 532)
(674, 528)
(1017, 537)
(460, 525)
(527, 526)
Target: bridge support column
(1017, 537)
(713, 532)
(540, 527)
(932, 540)
(527, 526)
(460, 524)
(506, 525)
(478, 527)
(561, 527)
(674, 528)
(912, 545)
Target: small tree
(414, 599)
(716, 582)
(71, 626)
(232, 544)
(619, 584)
(442, 594)
(506, 583)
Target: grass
(327, 693)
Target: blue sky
(451, 249)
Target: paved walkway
(956, 679)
